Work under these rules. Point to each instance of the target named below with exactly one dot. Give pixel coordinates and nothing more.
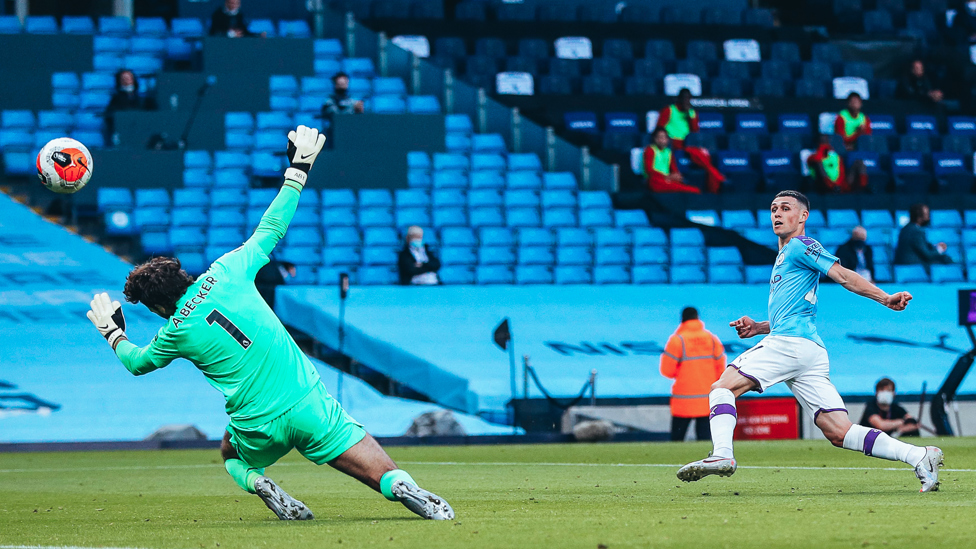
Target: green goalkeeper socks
(243, 474)
(389, 479)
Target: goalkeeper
(275, 398)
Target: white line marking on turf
(56, 547)
(465, 463)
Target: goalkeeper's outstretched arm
(304, 144)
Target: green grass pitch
(785, 494)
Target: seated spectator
(913, 248)
(828, 173)
(882, 412)
(340, 102)
(916, 85)
(272, 275)
(851, 123)
(856, 255)
(125, 98)
(418, 265)
(660, 166)
(229, 21)
(679, 120)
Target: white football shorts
(801, 363)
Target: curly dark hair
(161, 281)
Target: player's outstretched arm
(856, 283)
(304, 145)
(107, 317)
(746, 327)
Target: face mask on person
(128, 89)
(885, 398)
(417, 243)
(971, 6)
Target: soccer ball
(64, 165)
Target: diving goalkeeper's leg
(252, 479)
(370, 464)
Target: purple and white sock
(875, 443)
(722, 421)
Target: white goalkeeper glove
(107, 317)
(304, 144)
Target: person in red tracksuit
(827, 171)
(661, 167)
(679, 120)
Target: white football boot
(283, 505)
(426, 504)
(697, 470)
(927, 470)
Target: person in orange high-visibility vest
(680, 120)
(694, 358)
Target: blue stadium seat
(451, 161)
(406, 217)
(687, 237)
(375, 198)
(559, 180)
(461, 255)
(16, 140)
(649, 274)
(573, 237)
(360, 67)
(581, 122)
(72, 24)
(423, 104)
(294, 29)
(18, 119)
(535, 237)
(375, 217)
(454, 275)
(687, 274)
(156, 242)
(522, 217)
(611, 274)
(183, 238)
(558, 199)
(387, 104)
(19, 163)
(946, 219)
(495, 255)
(881, 219)
(488, 143)
(533, 274)
(524, 162)
(738, 219)
(458, 124)
(458, 237)
(630, 218)
(946, 273)
(724, 256)
(221, 217)
(924, 124)
(651, 255)
(114, 26)
(112, 198)
(521, 199)
(687, 255)
(41, 24)
(612, 238)
(456, 179)
(757, 274)
(384, 255)
(349, 237)
(152, 197)
(328, 48)
(412, 198)
(751, 123)
(725, 274)
(494, 274)
(910, 273)
(612, 255)
(795, 123)
(487, 161)
(522, 180)
(951, 172)
(909, 172)
(535, 255)
(339, 217)
(486, 217)
(842, 219)
(573, 255)
(334, 256)
(572, 274)
(377, 276)
(339, 198)
(226, 237)
(596, 218)
(187, 27)
(650, 236)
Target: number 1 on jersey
(229, 327)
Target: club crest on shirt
(780, 259)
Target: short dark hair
(159, 282)
(915, 211)
(884, 382)
(339, 75)
(800, 197)
(854, 94)
(689, 313)
(684, 91)
(656, 130)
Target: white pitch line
(57, 547)
(467, 463)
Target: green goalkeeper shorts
(317, 426)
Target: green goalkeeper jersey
(224, 327)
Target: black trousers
(679, 426)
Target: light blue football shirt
(793, 288)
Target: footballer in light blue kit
(792, 352)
